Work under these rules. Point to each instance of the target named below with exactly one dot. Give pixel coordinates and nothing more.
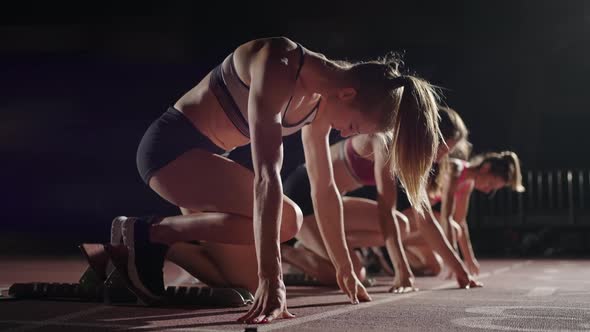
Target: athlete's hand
(351, 286)
(270, 302)
(403, 283)
(466, 280)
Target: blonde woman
(266, 89)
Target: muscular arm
(386, 203)
(460, 215)
(448, 206)
(271, 84)
(325, 195)
(434, 233)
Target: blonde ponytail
(416, 136)
(406, 108)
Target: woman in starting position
(359, 161)
(449, 194)
(266, 89)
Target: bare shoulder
(273, 45)
(254, 57)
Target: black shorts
(437, 207)
(168, 137)
(297, 187)
(403, 203)
(370, 192)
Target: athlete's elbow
(266, 172)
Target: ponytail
(505, 165)
(514, 178)
(416, 136)
(406, 108)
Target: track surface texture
(519, 295)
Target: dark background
(79, 86)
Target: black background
(79, 86)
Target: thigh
(297, 187)
(360, 214)
(202, 181)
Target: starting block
(102, 282)
(5, 296)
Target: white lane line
(551, 270)
(350, 308)
(541, 291)
(59, 320)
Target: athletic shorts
(297, 187)
(168, 137)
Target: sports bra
(232, 93)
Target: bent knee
(291, 221)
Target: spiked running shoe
(144, 261)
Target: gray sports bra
(232, 93)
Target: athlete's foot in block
(116, 230)
(147, 280)
(116, 239)
(144, 261)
